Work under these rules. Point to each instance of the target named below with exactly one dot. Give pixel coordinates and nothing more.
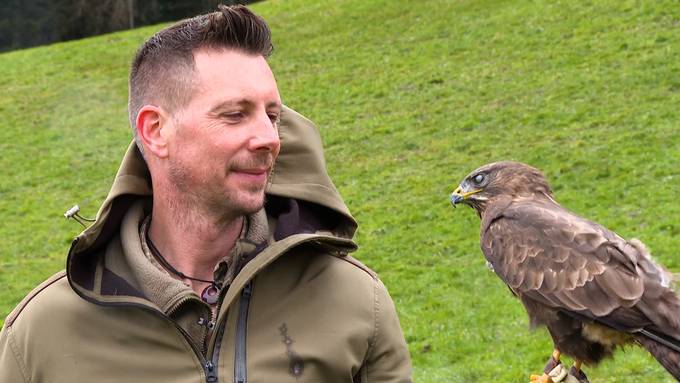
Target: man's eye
(232, 116)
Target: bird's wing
(552, 256)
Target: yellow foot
(540, 379)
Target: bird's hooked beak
(461, 194)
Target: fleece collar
(163, 288)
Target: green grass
(409, 97)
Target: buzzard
(592, 289)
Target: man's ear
(150, 123)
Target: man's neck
(192, 242)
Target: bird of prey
(592, 289)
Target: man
(190, 272)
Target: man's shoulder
(338, 262)
(339, 271)
(42, 302)
(359, 266)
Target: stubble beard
(210, 199)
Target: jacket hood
(300, 193)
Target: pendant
(210, 294)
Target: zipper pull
(210, 375)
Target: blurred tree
(25, 23)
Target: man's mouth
(255, 175)
(255, 171)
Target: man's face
(222, 144)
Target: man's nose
(265, 135)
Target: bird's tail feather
(666, 352)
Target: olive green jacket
(300, 310)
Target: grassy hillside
(409, 97)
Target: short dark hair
(162, 67)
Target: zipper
(178, 302)
(210, 371)
(209, 366)
(240, 369)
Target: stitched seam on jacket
(363, 371)
(17, 354)
(22, 305)
(357, 264)
(376, 327)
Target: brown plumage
(592, 289)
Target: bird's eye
(479, 178)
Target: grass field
(409, 97)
